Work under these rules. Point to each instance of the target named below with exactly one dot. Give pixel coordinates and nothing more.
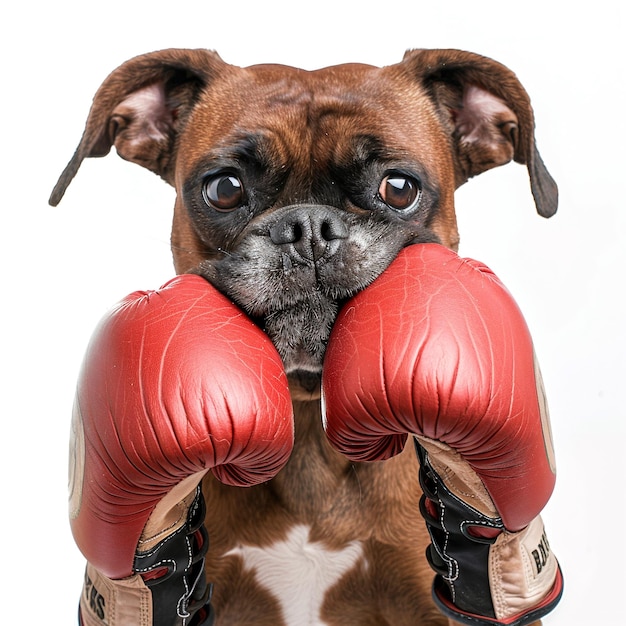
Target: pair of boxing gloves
(179, 382)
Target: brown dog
(295, 190)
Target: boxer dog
(294, 191)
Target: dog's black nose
(311, 231)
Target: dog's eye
(399, 192)
(223, 192)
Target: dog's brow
(247, 148)
(366, 148)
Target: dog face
(297, 189)
(305, 197)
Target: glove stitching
(453, 566)
(492, 523)
(158, 564)
(181, 606)
(183, 602)
(113, 605)
(497, 593)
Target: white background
(61, 268)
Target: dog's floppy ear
(139, 109)
(488, 115)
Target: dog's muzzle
(293, 269)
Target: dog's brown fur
(448, 113)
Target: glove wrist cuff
(168, 586)
(527, 617)
(173, 570)
(114, 602)
(485, 574)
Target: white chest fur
(298, 572)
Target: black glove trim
(174, 572)
(459, 558)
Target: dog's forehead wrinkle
(309, 104)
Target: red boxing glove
(176, 382)
(436, 347)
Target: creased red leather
(174, 382)
(437, 347)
